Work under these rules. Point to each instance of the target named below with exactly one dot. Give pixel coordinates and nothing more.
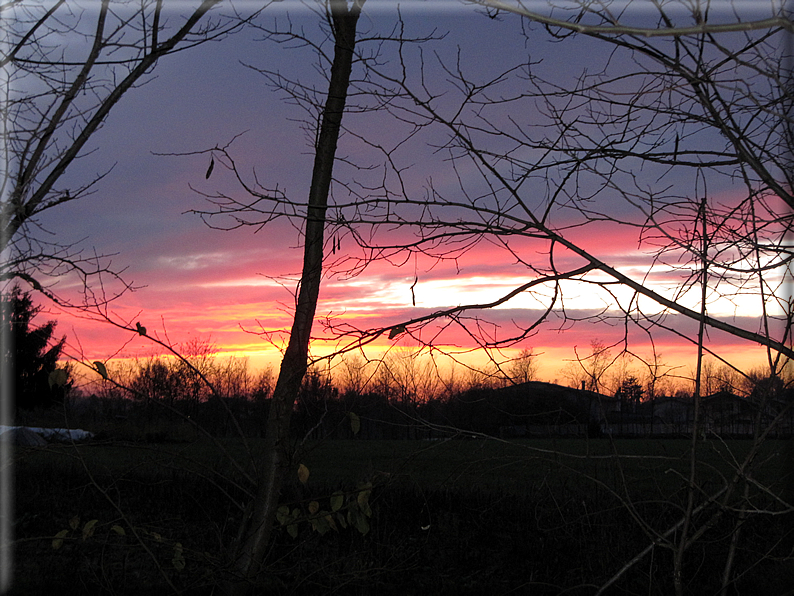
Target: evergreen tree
(31, 355)
(630, 391)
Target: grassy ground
(457, 517)
(520, 465)
(517, 466)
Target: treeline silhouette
(224, 398)
(161, 399)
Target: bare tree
(582, 173)
(729, 248)
(658, 377)
(589, 372)
(524, 367)
(65, 67)
(232, 378)
(352, 375)
(595, 365)
(581, 16)
(647, 142)
(697, 114)
(251, 546)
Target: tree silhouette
(630, 391)
(31, 354)
(547, 169)
(545, 185)
(61, 96)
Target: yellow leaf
(358, 521)
(331, 523)
(100, 368)
(88, 528)
(342, 521)
(58, 377)
(282, 515)
(396, 331)
(355, 422)
(57, 542)
(363, 500)
(303, 474)
(320, 525)
(178, 561)
(118, 530)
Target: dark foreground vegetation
(442, 517)
(526, 489)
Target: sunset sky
(196, 282)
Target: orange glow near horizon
(554, 350)
(237, 291)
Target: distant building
(537, 409)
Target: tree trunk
(249, 550)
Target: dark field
(447, 517)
